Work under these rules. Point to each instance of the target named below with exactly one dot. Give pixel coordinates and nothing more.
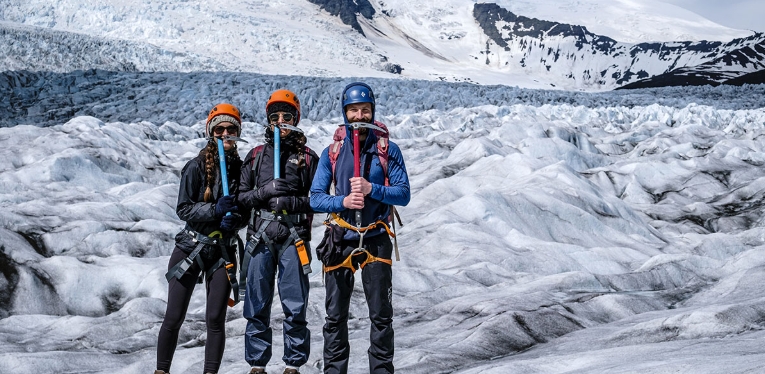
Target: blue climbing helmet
(358, 92)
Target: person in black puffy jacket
(278, 237)
(208, 242)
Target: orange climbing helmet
(222, 112)
(287, 97)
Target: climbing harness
(348, 262)
(215, 239)
(249, 250)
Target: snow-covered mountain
(518, 43)
(545, 47)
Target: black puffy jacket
(198, 214)
(296, 172)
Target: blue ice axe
(224, 181)
(277, 146)
(222, 157)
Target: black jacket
(298, 176)
(198, 214)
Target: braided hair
(211, 162)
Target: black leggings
(178, 297)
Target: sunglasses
(218, 130)
(274, 117)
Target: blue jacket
(377, 203)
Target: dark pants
(178, 297)
(293, 292)
(376, 278)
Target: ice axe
(355, 126)
(224, 181)
(277, 146)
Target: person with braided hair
(208, 243)
(276, 187)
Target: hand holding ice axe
(222, 157)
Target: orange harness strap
(348, 262)
(344, 224)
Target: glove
(276, 187)
(278, 204)
(230, 222)
(224, 205)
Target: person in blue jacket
(370, 194)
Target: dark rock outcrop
(347, 10)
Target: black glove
(224, 205)
(276, 187)
(230, 222)
(282, 203)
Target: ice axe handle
(223, 176)
(277, 151)
(357, 165)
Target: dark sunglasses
(231, 129)
(274, 117)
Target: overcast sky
(737, 14)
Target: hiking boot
(291, 371)
(160, 372)
(258, 371)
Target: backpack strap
(308, 156)
(382, 148)
(307, 169)
(334, 149)
(257, 154)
